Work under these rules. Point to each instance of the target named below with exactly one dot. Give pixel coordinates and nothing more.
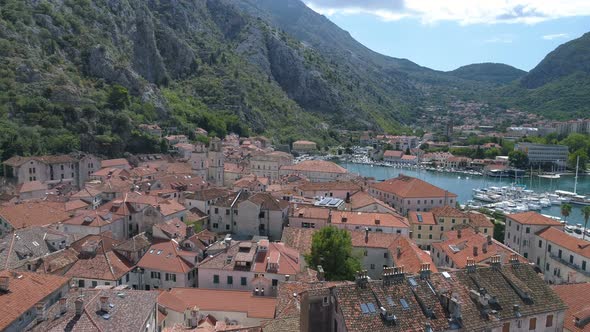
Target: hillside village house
(304, 146)
(429, 227)
(25, 297)
(317, 171)
(52, 170)
(245, 265)
(309, 217)
(562, 257)
(268, 165)
(406, 193)
(336, 189)
(247, 214)
(391, 223)
(392, 156)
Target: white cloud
(462, 11)
(556, 36)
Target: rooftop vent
(4, 283)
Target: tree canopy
(332, 249)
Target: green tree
(572, 160)
(518, 159)
(566, 209)
(408, 151)
(586, 214)
(118, 97)
(332, 249)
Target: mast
(576, 178)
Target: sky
(447, 34)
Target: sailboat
(578, 199)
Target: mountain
(488, 72)
(82, 74)
(558, 87)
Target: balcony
(575, 267)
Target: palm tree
(586, 214)
(566, 209)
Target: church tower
(216, 162)
(199, 161)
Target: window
(216, 210)
(155, 275)
(372, 266)
(430, 236)
(261, 214)
(559, 253)
(384, 255)
(549, 321)
(528, 230)
(540, 243)
(547, 267)
(171, 277)
(419, 228)
(442, 228)
(81, 283)
(227, 227)
(526, 255)
(230, 280)
(94, 284)
(517, 228)
(419, 236)
(365, 252)
(227, 212)
(275, 282)
(215, 279)
(453, 220)
(538, 261)
(243, 281)
(430, 227)
(532, 324)
(571, 259)
(549, 248)
(584, 265)
(215, 225)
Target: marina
(540, 194)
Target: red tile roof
(393, 154)
(470, 239)
(411, 257)
(447, 211)
(575, 297)
(109, 163)
(219, 300)
(427, 218)
(369, 219)
(311, 212)
(533, 218)
(316, 166)
(28, 187)
(167, 256)
(409, 187)
(562, 239)
(24, 292)
(34, 214)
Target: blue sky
(446, 36)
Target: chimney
(63, 305)
(194, 318)
(256, 291)
(514, 259)
(4, 283)
(361, 278)
(484, 248)
(459, 233)
(366, 235)
(320, 273)
(387, 275)
(496, 261)
(287, 277)
(398, 251)
(425, 271)
(190, 231)
(79, 306)
(489, 240)
(40, 310)
(399, 274)
(104, 303)
(475, 251)
(470, 265)
(262, 292)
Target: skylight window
(446, 275)
(390, 301)
(404, 303)
(159, 252)
(35, 243)
(412, 282)
(371, 307)
(364, 308)
(152, 251)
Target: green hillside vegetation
(488, 72)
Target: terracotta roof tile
(24, 292)
(316, 166)
(34, 214)
(421, 218)
(168, 256)
(532, 218)
(575, 297)
(562, 239)
(409, 187)
(109, 163)
(373, 219)
(219, 300)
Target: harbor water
(463, 184)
